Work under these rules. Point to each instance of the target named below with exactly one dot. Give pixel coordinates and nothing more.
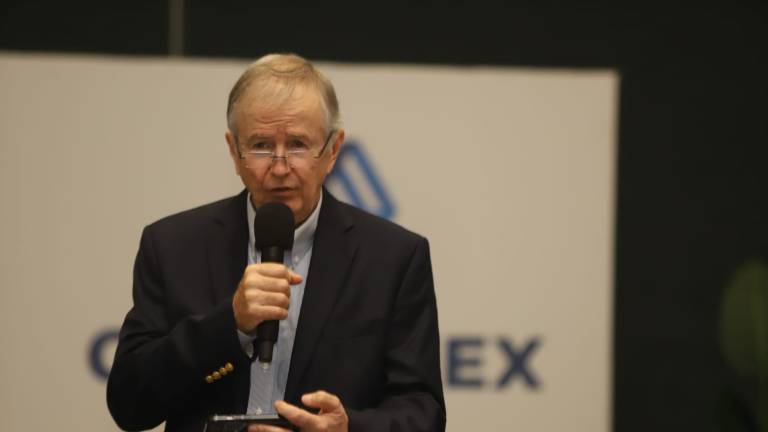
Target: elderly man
(358, 345)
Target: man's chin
(293, 202)
(293, 199)
(289, 199)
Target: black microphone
(273, 234)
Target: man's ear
(338, 140)
(233, 153)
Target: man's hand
(264, 293)
(331, 418)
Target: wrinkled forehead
(278, 106)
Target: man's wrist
(246, 342)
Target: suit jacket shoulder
(378, 230)
(192, 220)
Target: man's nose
(280, 166)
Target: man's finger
(323, 400)
(268, 298)
(294, 278)
(299, 417)
(271, 284)
(275, 270)
(270, 312)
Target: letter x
(518, 363)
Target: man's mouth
(281, 190)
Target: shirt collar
(302, 236)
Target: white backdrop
(509, 172)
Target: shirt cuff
(246, 342)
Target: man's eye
(261, 145)
(298, 145)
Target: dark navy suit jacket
(367, 329)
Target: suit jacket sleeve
(413, 394)
(161, 364)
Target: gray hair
(273, 79)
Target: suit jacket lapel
(227, 251)
(333, 251)
(227, 259)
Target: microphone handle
(266, 332)
(272, 254)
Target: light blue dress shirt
(268, 385)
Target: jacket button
(229, 367)
(209, 379)
(216, 375)
(223, 371)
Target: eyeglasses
(299, 153)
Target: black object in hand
(273, 233)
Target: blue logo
(355, 181)
(465, 360)
(102, 346)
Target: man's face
(298, 122)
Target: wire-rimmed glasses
(298, 152)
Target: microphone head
(273, 226)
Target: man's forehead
(266, 132)
(300, 114)
(295, 124)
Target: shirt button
(258, 410)
(296, 260)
